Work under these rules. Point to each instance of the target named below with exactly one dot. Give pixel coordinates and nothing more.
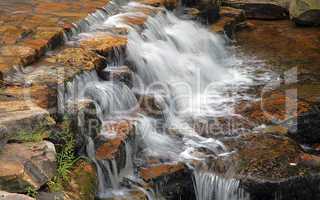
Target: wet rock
(309, 160)
(150, 104)
(274, 107)
(160, 170)
(105, 45)
(79, 58)
(173, 180)
(83, 182)
(13, 196)
(26, 165)
(216, 127)
(122, 74)
(305, 12)
(170, 4)
(229, 19)
(21, 116)
(270, 164)
(261, 9)
(131, 194)
(113, 146)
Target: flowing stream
(189, 72)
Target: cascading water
(193, 74)
(209, 186)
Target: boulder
(26, 165)
(13, 196)
(305, 12)
(261, 9)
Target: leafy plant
(66, 156)
(31, 192)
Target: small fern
(66, 157)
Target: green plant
(66, 156)
(31, 192)
(35, 136)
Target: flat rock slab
(20, 116)
(13, 196)
(261, 9)
(29, 28)
(26, 165)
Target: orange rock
(160, 170)
(104, 44)
(112, 146)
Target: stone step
(13, 196)
(43, 27)
(26, 165)
(17, 117)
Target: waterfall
(190, 73)
(209, 186)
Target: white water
(213, 187)
(193, 74)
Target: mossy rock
(83, 182)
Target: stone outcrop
(261, 9)
(26, 165)
(305, 12)
(13, 196)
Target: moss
(269, 157)
(35, 136)
(83, 182)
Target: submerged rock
(305, 12)
(27, 165)
(13, 196)
(261, 9)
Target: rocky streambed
(143, 103)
